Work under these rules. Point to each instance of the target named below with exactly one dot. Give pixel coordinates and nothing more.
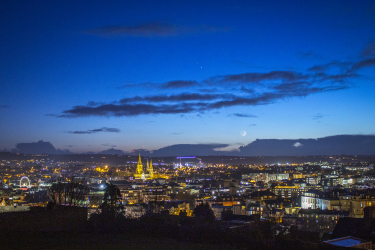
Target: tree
(112, 204)
(204, 212)
(70, 192)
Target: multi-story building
(131, 196)
(288, 191)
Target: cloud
(141, 85)
(347, 68)
(93, 104)
(177, 98)
(309, 54)
(93, 131)
(363, 64)
(206, 90)
(112, 151)
(127, 110)
(334, 64)
(271, 97)
(175, 84)
(4, 106)
(39, 147)
(179, 84)
(152, 29)
(339, 77)
(109, 145)
(369, 50)
(189, 149)
(318, 116)
(252, 125)
(265, 88)
(245, 115)
(189, 103)
(256, 77)
(297, 144)
(247, 90)
(292, 86)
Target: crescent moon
(243, 133)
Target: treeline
(255, 235)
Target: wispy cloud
(245, 115)
(369, 50)
(4, 106)
(180, 84)
(175, 84)
(256, 77)
(152, 29)
(318, 116)
(309, 54)
(188, 104)
(339, 77)
(141, 85)
(93, 131)
(344, 66)
(249, 89)
(364, 63)
(177, 98)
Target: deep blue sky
(92, 75)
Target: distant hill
(332, 145)
(190, 149)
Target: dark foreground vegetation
(66, 228)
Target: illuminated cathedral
(148, 174)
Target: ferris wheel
(25, 182)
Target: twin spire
(150, 169)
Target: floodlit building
(148, 174)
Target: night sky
(93, 75)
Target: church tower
(139, 166)
(150, 170)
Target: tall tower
(139, 166)
(150, 170)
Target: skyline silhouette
(332, 145)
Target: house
(351, 242)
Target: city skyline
(91, 76)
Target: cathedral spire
(139, 166)
(151, 170)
